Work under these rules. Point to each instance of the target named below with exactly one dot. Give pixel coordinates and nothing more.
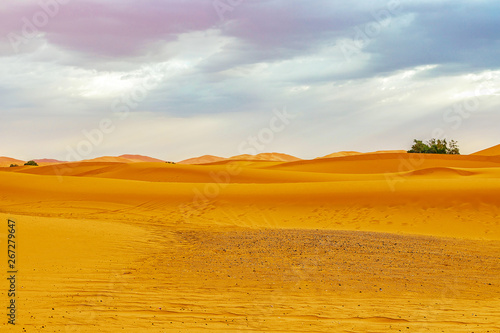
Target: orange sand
(275, 157)
(203, 159)
(7, 161)
(352, 153)
(381, 242)
(492, 151)
(140, 158)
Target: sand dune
(232, 172)
(7, 161)
(442, 172)
(273, 157)
(270, 157)
(202, 159)
(388, 163)
(140, 158)
(48, 160)
(107, 159)
(492, 151)
(340, 154)
(352, 153)
(380, 242)
(124, 159)
(364, 183)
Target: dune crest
(272, 157)
(140, 158)
(125, 159)
(267, 157)
(107, 159)
(202, 159)
(340, 154)
(388, 163)
(353, 153)
(441, 172)
(48, 160)
(492, 151)
(7, 161)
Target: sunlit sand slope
(228, 172)
(445, 200)
(202, 159)
(352, 153)
(7, 161)
(493, 151)
(389, 163)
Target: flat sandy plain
(387, 242)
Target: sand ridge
(492, 151)
(7, 161)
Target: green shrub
(33, 163)
(435, 146)
(14, 165)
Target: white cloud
(214, 84)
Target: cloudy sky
(180, 78)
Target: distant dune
(493, 151)
(210, 159)
(352, 153)
(125, 159)
(48, 161)
(340, 154)
(389, 152)
(108, 159)
(7, 161)
(140, 158)
(272, 157)
(202, 159)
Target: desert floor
(368, 243)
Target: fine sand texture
(378, 242)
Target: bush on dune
(435, 146)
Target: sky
(175, 79)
